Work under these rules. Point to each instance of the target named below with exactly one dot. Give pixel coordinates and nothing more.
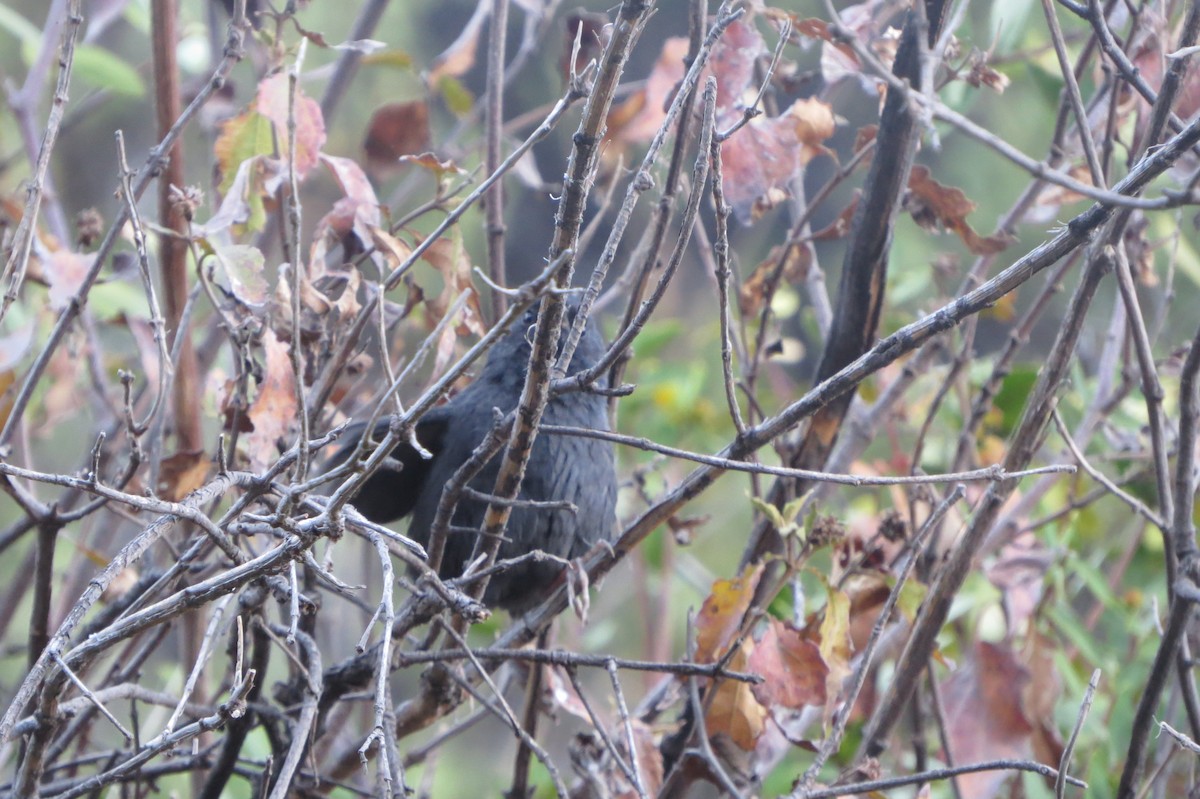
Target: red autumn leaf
(793, 669)
(274, 102)
(763, 157)
(985, 716)
(357, 212)
(1041, 696)
(732, 62)
(396, 130)
(812, 28)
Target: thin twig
(1064, 762)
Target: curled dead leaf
(791, 262)
(935, 206)
(273, 412)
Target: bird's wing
(389, 494)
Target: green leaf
(458, 99)
(771, 512)
(18, 26)
(242, 138)
(792, 509)
(244, 267)
(389, 58)
(1010, 399)
(103, 69)
(138, 17)
(1069, 627)
(120, 298)
(656, 336)
(1096, 582)
(912, 594)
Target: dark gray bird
(561, 468)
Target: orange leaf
(734, 710)
(638, 118)
(456, 59)
(722, 613)
(273, 411)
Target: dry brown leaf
(840, 226)
(981, 74)
(273, 412)
(558, 693)
(649, 760)
(734, 711)
(796, 261)
(356, 213)
(64, 272)
(182, 473)
(592, 39)
(396, 130)
(935, 206)
(431, 163)
(1019, 573)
